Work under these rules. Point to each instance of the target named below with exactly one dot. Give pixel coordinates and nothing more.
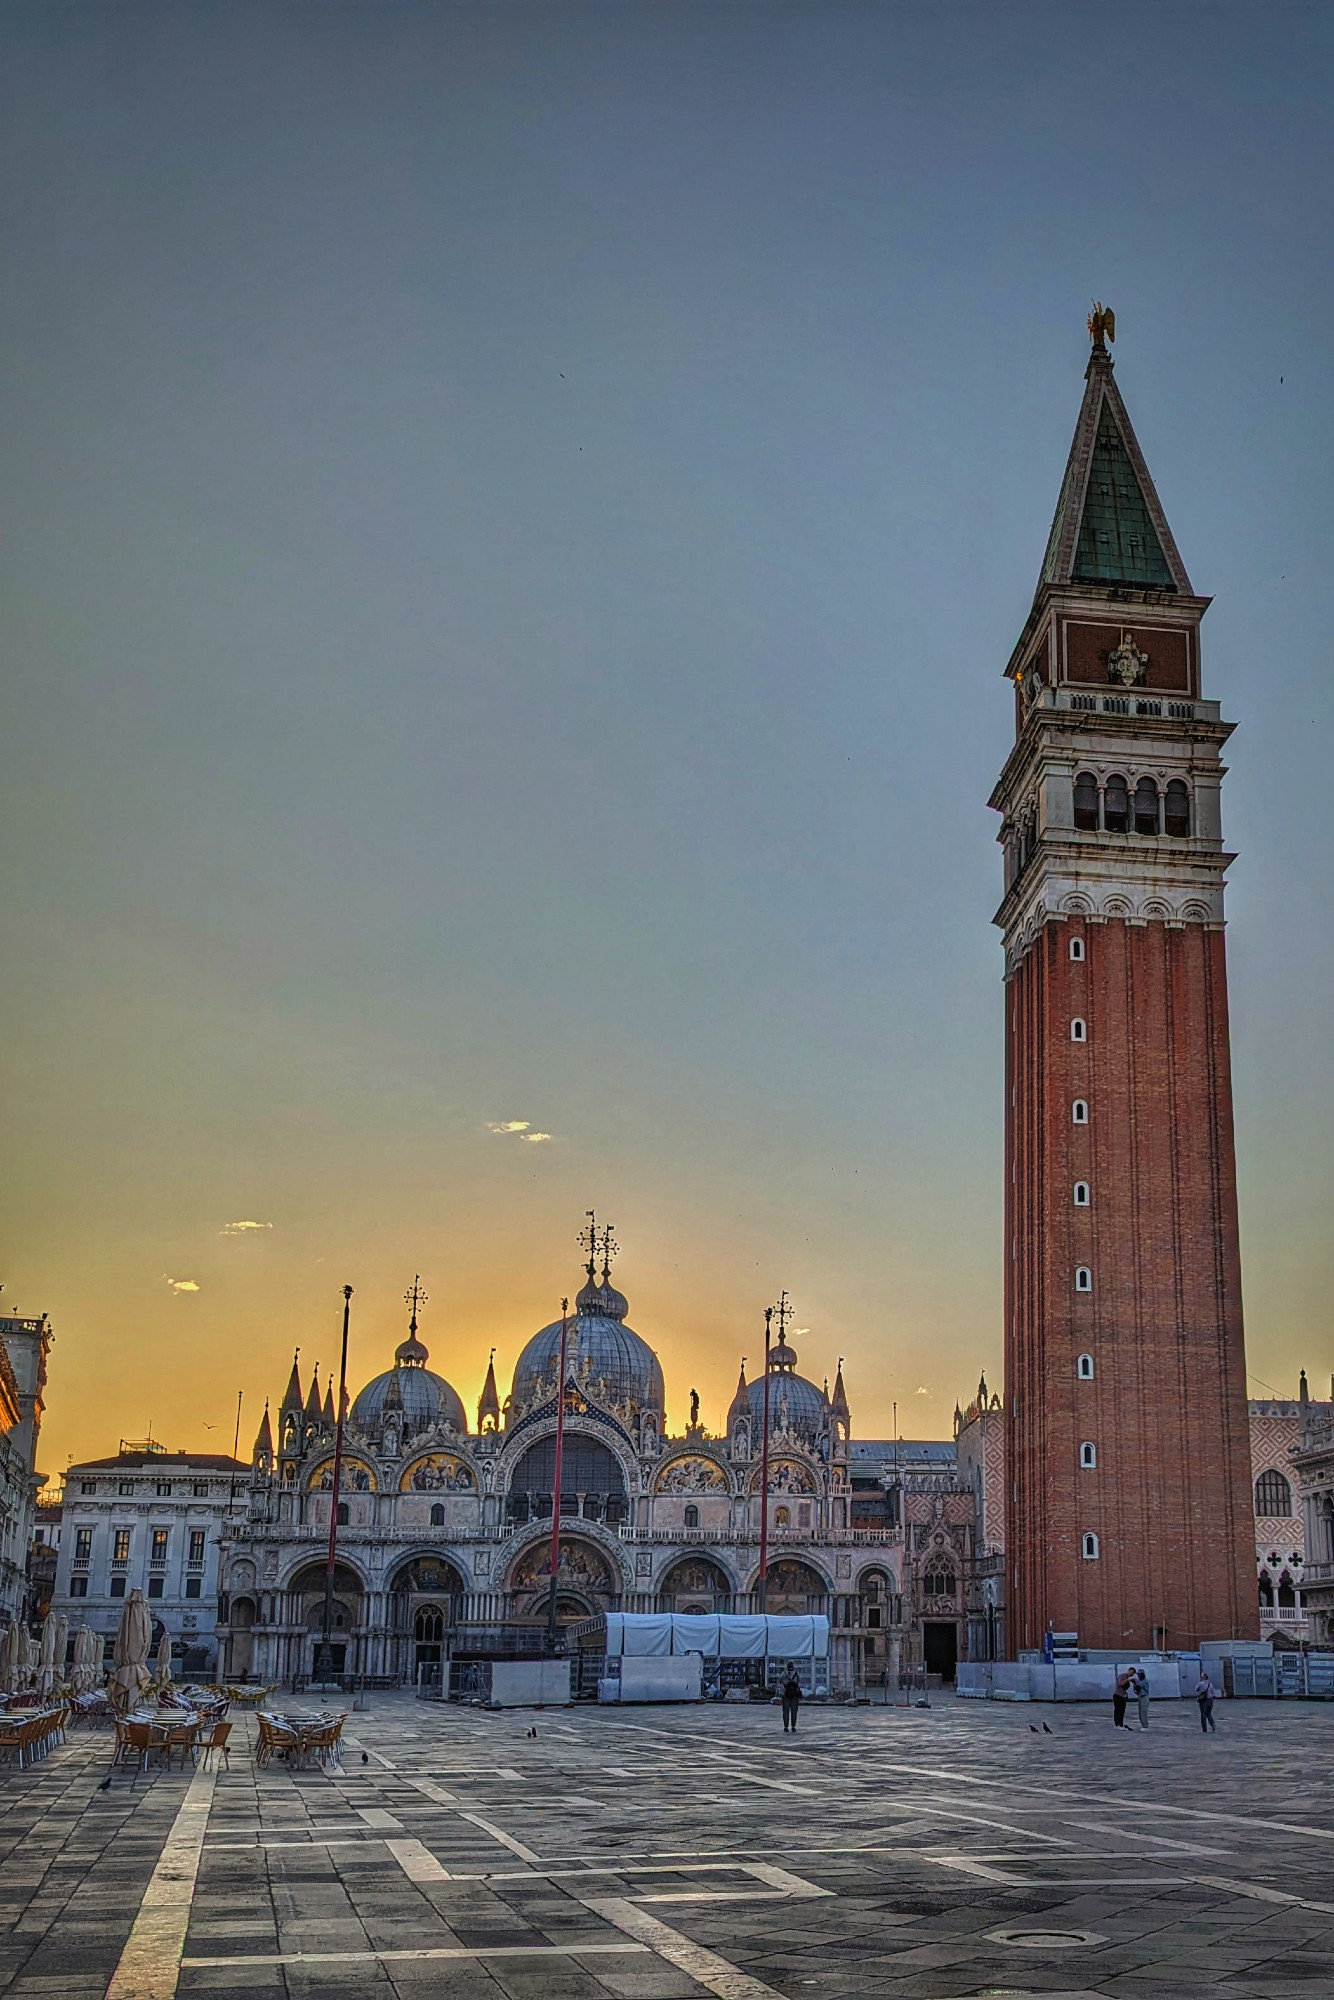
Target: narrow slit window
(1077, 948)
(1079, 1031)
(1079, 1112)
(1090, 1546)
(1081, 1194)
(1083, 1279)
(1088, 1456)
(1084, 1368)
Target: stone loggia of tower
(1128, 1501)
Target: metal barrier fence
(1291, 1676)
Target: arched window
(1079, 1112)
(343, 1516)
(939, 1583)
(692, 1517)
(1089, 1546)
(1287, 1596)
(1081, 1194)
(437, 1516)
(1088, 1456)
(1266, 1591)
(1176, 810)
(1077, 948)
(1084, 1368)
(1086, 802)
(1083, 1279)
(1116, 805)
(782, 1517)
(1146, 806)
(1079, 1031)
(1273, 1496)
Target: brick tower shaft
(1128, 1502)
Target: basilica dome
(601, 1349)
(410, 1387)
(794, 1403)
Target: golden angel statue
(1102, 324)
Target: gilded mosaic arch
(786, 1475)
(354, 1476)
(437, 1472)
(692, 1474)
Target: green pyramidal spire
(1109, 526)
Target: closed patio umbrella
(47, 1661)
(27, 1655)
(164, 1661)
(87, 1658)
(62, 1646)
(10, 1658)
(129, 1659)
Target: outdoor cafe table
(161, 1722)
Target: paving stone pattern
(661, 1852)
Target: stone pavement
(651, 1853)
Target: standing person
(791, 1700)
(1204, 1694)
(1142, 1697)
(1120, 1696)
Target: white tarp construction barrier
(636, 1634)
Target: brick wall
(1170, 1496)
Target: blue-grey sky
(512, 523)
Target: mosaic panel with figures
(438, 1472)
(578, 1565)
(786, 1475)
(353, 1477)
(692, 1475)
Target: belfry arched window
(1176, 810)
(1146, 806)
(1086, 802)
(1116, 805)
(1273, 1496)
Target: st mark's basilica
(444, 1532)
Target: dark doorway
(940, 1649)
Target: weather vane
(598, 1243)
(413, 1298)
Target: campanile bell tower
(1129, 1498)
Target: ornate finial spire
(609, 1249)
(1102, 326)
(293, 1398)
(588, 1240)
(782, 1357)
(488, 1410)
(410, 1353)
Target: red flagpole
(555, 1495)
(764, 1473)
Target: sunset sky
(513, 519)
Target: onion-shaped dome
(600, 1349)
(795, 1404)
(426, 1399)
(409, 1387)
